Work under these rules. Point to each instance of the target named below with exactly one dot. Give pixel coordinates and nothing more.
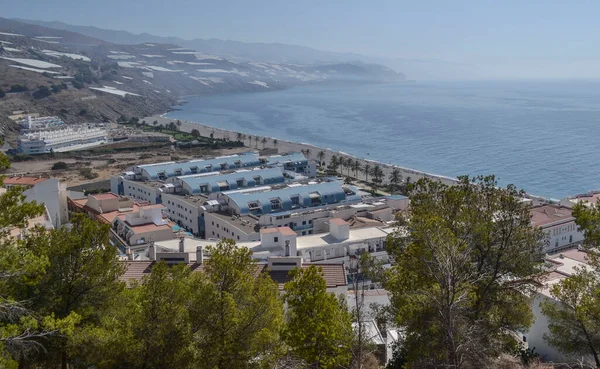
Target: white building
(61, 138)
(558, 224)
(48, 191)
(563, 265)
(34, 123)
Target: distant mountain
(277, 52)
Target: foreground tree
(318, 328)
(147, 326)
(574, 315)
(237, 314)
(462, 272)
(574, 318)
(81, 279)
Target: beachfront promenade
(287, 146)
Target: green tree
(357, 168)
(395, 180)
(22, 329)
(264, 142)
(574, 318)
(147, 326)
(81, 278)
(195, 133)
(256, 139)
(275, 143)
(321, 157)
(367, 172)
(462, 273)
(60, 165)
(349, 165)
(377, 175)
(237, 314)
(318, 328)
(239, 136)
(334, 163)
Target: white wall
(140, 191)
(182, 211)
(220, 228)
(562, 235)
(53, 195)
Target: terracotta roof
(334, 274)
(153, 206)
(111, 215)
(23, 181)
(287, 231)
(269, 230)
(104, 196)
(543, 215)
(338, 221)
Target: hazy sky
(525, 37)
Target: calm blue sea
(540, 135)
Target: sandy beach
(288, 146)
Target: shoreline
(287, 146)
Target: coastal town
(182, 202)
(291, 209)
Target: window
(304, 222)
(253, 205)
(238, 237)
(304, 233)
(275, 204)
(275, 239)
(571, 239)
(295, 200)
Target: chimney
(287, 248)
(152, 251)
(129, 253)
(181, 244)
(199, 255)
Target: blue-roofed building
(293, 161)
(207, 184)
(162, 171)
(294, 197)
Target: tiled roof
(334, 274)
(23, 181)
(546, 214)
(104, 196)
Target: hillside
(413, 68)
(97, 80)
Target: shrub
(2, 93)
(60, 165)
(87, 173)
(77, 84)
(18, 88)
(83, 112)
(42, 92)
(111, 161)
(21, 157)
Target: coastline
(287, 146)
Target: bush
(83, 112)
(87, 173)
(21, 157)
(77, 84)
(64, 111)
(42, 92)
(18, 88)
(111, 161)
(145, 156)
(60, 165)
(2, 93)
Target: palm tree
(239, 136)
(367, 172)
(264, 142)
(321, 156)
(334, 163)
(377, 174)
(307, 153)
(256, 139)
(349, 165)
(356, 168)
(395, 179)
(275, 142)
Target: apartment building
(48, 191)
(61, 138)
(558, 224)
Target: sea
(541, 136)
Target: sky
(532, 38)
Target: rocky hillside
(79, 77)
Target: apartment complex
(61, 138)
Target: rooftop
(324, 239)
(334, 274)
(23, 181)
(338, 221)
(104, 196)
(286, 231)
(547, 214)
(562, 266)
(245, 223)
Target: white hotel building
(61, 138)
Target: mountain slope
(279, 53)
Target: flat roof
(23, 181)
(324, 239)
(245, 223)
(542, 215)
(104, 196)
(286, 231)
(338, 221)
